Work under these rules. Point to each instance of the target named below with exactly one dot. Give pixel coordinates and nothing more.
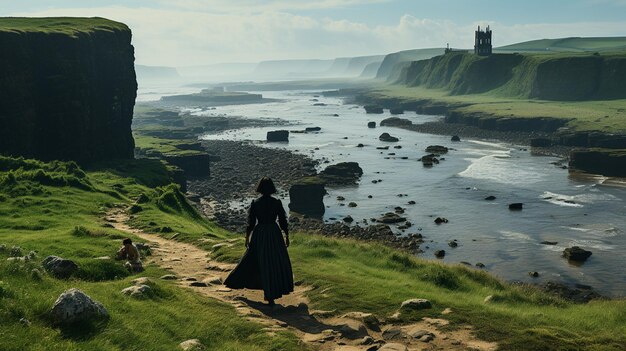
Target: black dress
(265, 264)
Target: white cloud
(182, 37)
(263, 5)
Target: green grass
(569, 45)
(60, 212)
(353, 276)
(606, 116)
(167, 147)
(59, 25)
(58, 209)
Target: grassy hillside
(63, 25)
(606, 116)
(353, 276)
(574, 44)
(58, 209)
(562, 77)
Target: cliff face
(390, 61)
(566, 77)
(67, 88)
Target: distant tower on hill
(482, 42)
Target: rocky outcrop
(67, 87)
(599, 161)
(306, 196)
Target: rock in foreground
(74, 306)
(306, 196)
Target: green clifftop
(67, 87)
(563, 77)
(60, 25)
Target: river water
(589, 212)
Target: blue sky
(192, 32)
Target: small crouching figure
(130, 253)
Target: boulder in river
(455, 138)
(440, 253)
(343, 173)
(490, 198)
(396, 111)
(391, 218)
(576, 253)
(395, 122)
(518, 206)
(373, 109)
(278, 135)
(440, 220)
(306, 196)
(437, 149)
(312, 129)
(429, 160)
(371, 124)
(388, 138)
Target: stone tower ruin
(482, 42)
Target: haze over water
(557, 207)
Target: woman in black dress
(265, 264)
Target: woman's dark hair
(127, 241)
(266, 186)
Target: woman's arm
(251, 223)
(282, 222)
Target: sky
(200, 32)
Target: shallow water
(581, 211)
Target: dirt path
(193, 268)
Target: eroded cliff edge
(67, 88)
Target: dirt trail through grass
(193, 268)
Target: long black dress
(265, 264)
